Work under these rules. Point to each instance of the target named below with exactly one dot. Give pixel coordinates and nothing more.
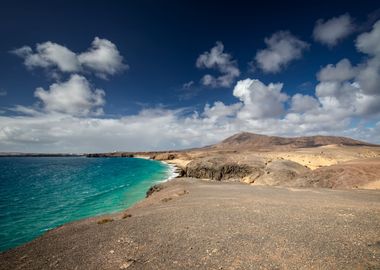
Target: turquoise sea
(41, 193)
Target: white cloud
(219, 111)
(303, 103)
(369, 76)
(353, 90)
(49, 55)
(103, 58)
(53, 132)
(331, 31)
(368, 43)
(342, 71)
(369, 72)
(74, 97)
(282, 48)
(67, 121)
(220, 61)
(3, 93)
(25, 110)
(260, 100)
(59, 132)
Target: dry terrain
(249, 202)
(318, 161)
(195, 224)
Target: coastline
(167, 173)
(173, 169)
(180, 214)
(251, 189)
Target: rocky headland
(316, 161)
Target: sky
(94, 76)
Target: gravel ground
(195, 224)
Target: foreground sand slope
(195, 224)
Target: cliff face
(221, 168)
(251, 170)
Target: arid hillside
(251, 141)
(316, 161)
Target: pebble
(125, 265)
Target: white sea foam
(171, 173)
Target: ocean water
(41, 193)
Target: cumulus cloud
(219, 111)
(353, 90)
(49, 55)
(344, 92)
(369, 76)
(368, 42)
(369, 73)
(103, 58)
(260, 100)
(342, 71)
(55, 132)
(223, 62)
(74, 97)
(282, 48)
(331, 31)
(303, 103)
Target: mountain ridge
(249, 140)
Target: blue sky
(136, 78)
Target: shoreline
(303, 170)
(172, 168)
(172, 171)
(179, 215)
(170, 174)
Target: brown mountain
(246, 140)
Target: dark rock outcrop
(164, 156)
(113, 154)
(221, 168)
(153, 189)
